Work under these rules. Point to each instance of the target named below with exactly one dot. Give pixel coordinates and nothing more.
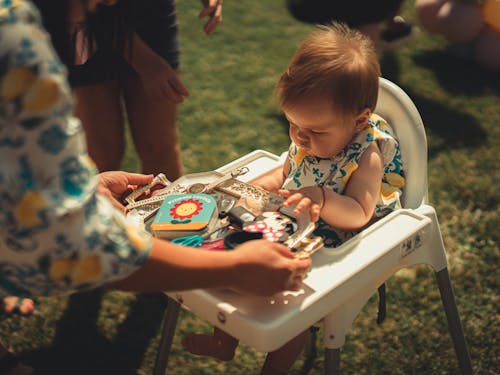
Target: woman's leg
(99, 108)
(153, 125)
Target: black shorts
(352, 12)
(154, 21)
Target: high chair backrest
(396, 107)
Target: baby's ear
(362, 119)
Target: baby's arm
(355, 207)
(272, 180)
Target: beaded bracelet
(324, 197)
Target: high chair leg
(332, 361)
(310, 351)
(454, 323)
(167, 335)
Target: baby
(343, 165)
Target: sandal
(398, 33)
(17, 305)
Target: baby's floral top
(334, 173)
(56, 233)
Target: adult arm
(257, 267)
(115, 184)
(176, 268)
(158, 78)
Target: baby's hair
(335, 62)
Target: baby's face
(318, 129)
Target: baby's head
(330, 89)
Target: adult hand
(114, 184)
(309, 198)
(161, 81)
(265, 268)
(212, 9)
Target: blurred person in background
(379, 20)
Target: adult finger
(302, 265)
(170, 93)
(282, 249)
(295, 282)
(215, 19)
(209, 6)
(178, 86)
(138, 178)
(113, 200)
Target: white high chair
(341, 280)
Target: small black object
(237, 238)
(239, 215)
(381, 304)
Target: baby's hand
(309, 198)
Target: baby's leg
(280, 361)
(220, 345)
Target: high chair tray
(258, 162)
(335, 275)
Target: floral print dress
(56, 233)
(334, 173)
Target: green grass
(231, 76)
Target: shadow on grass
(80, 348)
(455, 128)
(458, 75)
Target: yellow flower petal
(41, 96)
(86, 269)
(61, 268)
(16, 82)
(27, 211)
(301, 154)
(4, 13)
(349, 168)
(138, 241)
(395, 179)
(387, 191)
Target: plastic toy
(216, 211)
